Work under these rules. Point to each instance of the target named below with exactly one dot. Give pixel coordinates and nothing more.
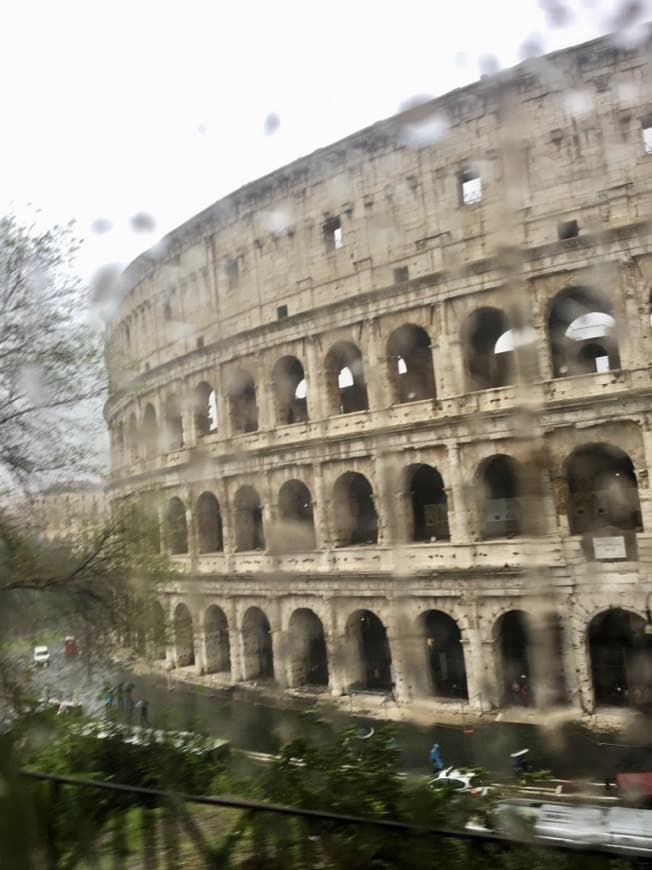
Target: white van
(41, 656)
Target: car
(41, 656)
(458, 781)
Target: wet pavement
(253, 722)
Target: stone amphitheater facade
(391, 404)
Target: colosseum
(391, 404)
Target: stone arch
(289, 382)
(346, 387)
(209, 524)
(307, 645)
(249, 531)
(620, 653)
(512, 637)
(368, 657)
(602, 490)
(243, 407)
(258, 655)
(296, 527)
(173, 423)
(444, 655)
(150, 432)
(355, 518)
(177, 529)
(486, 364)
(205, 409)
(184, 636)
(582, 333)
(428, 514)
(216, 633)
(409, 357)
(499, 495)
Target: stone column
(235, 644)
(315, 382)
(579, 660)
(321, 511)
(384, 501)
(222, 405)
(643, 475)
(280, 650)
(375, 367)
(457, 516)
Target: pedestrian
(525, 691)
(108, 699)
(144, 718)
(121, 697)
(435, 758)
(516, 692)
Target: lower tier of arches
(492, 653)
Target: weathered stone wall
(556, 140)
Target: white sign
(610, 548)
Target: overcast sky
(114, 109)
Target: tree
(50, 358)
(52, 380)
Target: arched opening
(513, 643)
(356, 521)
(488, 364)
(582, 333)
(621, 659)
(242, 402)
(132, 437)
(500, 513)
(205, 408)
(156, 633)
(173, 424)
(368, 655)
(308, 657)
(296, 531)
(216, 630)
(209, 524)
(444, 655)
(249, 534)
(258, 657)
(345, 380)
(184, 637)
(290, 391)
(602, 490)
(150, 432)
(411, 374)
(177, 530)
(429, 505)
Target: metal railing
(168, 831)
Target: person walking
(144, 717)
(436, 759)
(121, 697)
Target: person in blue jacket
(435, 758)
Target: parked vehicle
(41, 656)
(459, 782)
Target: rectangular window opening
(567, 229)
(200, 341)
(470, 187)
(401, 274)
(281, 312)
(333, 234)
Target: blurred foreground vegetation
(43, 825)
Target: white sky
(109, 109)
